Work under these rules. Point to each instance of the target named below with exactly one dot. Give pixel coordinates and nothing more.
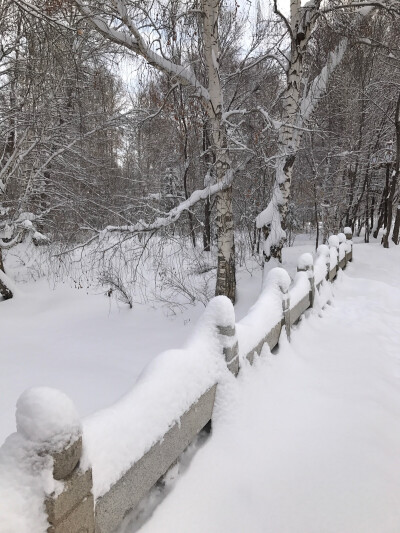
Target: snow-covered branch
(272, 123)
(175, 213)
(320, 83)
(135, 42)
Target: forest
(166, 142)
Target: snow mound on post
(46, 420)
(341, 237)
(219, 311)
(46, 415)
(305, 261)
(347, 231)
(323, 250)
(277, 278)
(334, 241)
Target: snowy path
(308, 441)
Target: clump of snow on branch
(271, 219)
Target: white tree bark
(298, 105)
(226, 279)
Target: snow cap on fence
(305, 262)
(342, 237)
(46, 415)
(323, 249)
(347, 231)
(277, 277)
(334, 241)
(220, 311)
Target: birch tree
(299, 100)
(128, 35)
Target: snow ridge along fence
(131, 445)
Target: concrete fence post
(342, 250)
(306, 264)
(349, 236)
(72, 511)
(221, 308)
(334, 253)
(286, 308)
(230, 347)
(48, 419)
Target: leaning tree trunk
(299, 101)
(5, 292)
(273, 219)
(226, 273)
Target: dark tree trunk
(396, 229)
(394, 199)
(207, 226)
(5, 292)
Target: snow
(306, 441)
(271, 218)
(305, 261)
(69, 336)
(265, 313)
(334, 241)
(47, 415)
(319, 84)
(80, 342)
(25, 479)
(300, 288)
(321, 263)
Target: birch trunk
(298, 105)
(273, 219)
(226, 276)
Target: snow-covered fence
(132, 444)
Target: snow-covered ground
(89, 346)
(307, 440)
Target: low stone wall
(128, 492)
(73, 510)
